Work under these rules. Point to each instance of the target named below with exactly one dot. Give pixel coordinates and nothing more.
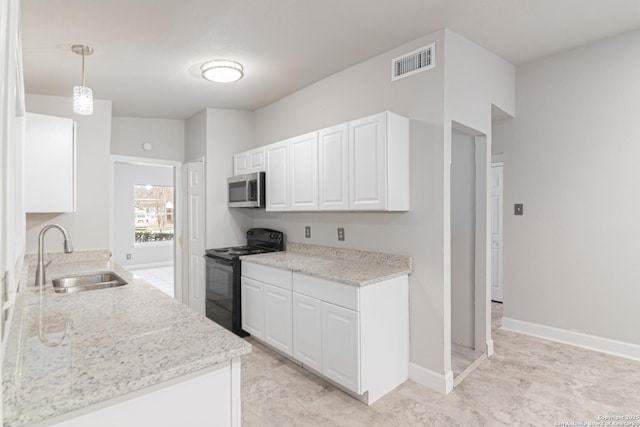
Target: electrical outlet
(518, 209)
(307, 232)
(128, 256)
(341, 234)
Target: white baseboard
(145, 266)
(428, 378)
(490, 348)
(578, 339)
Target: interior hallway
(528, 381)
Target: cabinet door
(333, 173)
(303, 172)
(50, 164)
(341, 346)
(307, 331)
(256, 160)
(367, 163)
(252, 307)
(277, 318)
(240, 163)
(277, 176)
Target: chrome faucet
(68, 248)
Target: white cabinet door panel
(277, 176)
(50, 164)
(367, 168)
(303, 172)
(341, 346)
(333, 173)
(277, 318)
(252, 307)
(307, 331)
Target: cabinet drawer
(269, 275)
(332, 292)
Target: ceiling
(148, 52)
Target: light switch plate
(518, 209)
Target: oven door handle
(218, 260)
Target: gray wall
(359, 91)
(572, 157)
(463, 228)
(166, 136)
(89, 225)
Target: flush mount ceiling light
(82, 95)
(221, 71)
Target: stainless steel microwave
(246, 191)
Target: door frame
(483, 341)
(178, 210)
(497, 161)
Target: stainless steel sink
(87, 282)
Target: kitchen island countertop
(122, 340)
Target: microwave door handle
(246, 190)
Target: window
(154, 215)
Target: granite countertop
(352, 267)
(122, 340)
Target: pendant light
(82, 95)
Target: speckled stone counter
(352, 267)
(122, 340)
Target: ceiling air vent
(413, 62)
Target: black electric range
(224, 270)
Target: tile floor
(528, 382)
(160, 277)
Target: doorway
(470, 310)
(144, 227)
(496, 227)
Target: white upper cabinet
(333, 168)
(379, 163)
(249, 161)
(303, 172)
(277, 175)
(360, 165)
(50, 164)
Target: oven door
(220, 291)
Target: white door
(333, 174)
(277, 176)
(367, 161)
(277, 318)
(496, 231)
(307, 331)
(303, 172)
(341, 346)
(195, 235)
(252, 303)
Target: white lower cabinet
(252, 307)
(332, 328)
(341, 346)
(307, 331)
(277, 318)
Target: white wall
(463, 228)
(196, 136)
(477, 84)
(358, 91)
(127, 175)
(167, 138)
(228, 132)
(572, 156)
(89, 226)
